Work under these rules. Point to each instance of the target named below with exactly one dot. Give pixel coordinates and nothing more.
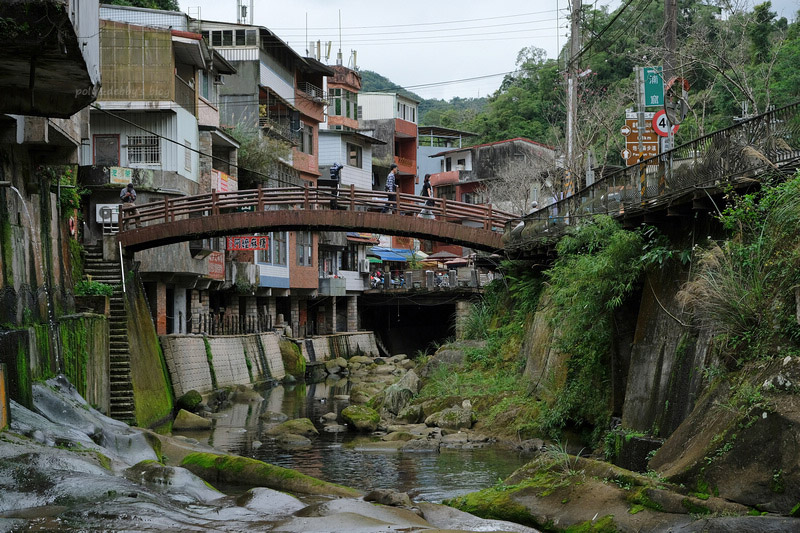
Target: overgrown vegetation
(259, 158)
(93, 288)
(596, 269)
(745, 288)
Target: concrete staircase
(96, 269)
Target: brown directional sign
(631, 133)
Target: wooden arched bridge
(310, 208)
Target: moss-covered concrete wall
(151, 386)
(85, 350)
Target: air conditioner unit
(218, 79)
(363, 266)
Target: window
(448, 164)
(106, 150)
(187, 155)
(354, 155)
(227, 37)
(275, 253)
(348, 260)
(305, 245)
(216, 38)
(461, 164)
(446, 192)
(307, 140)
(240, 37)
(251, 38)
(143, 150)
(473, 198)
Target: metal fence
(744, 152)
(221, 324)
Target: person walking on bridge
(391, 187)
(427, 191)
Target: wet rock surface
(80, 471)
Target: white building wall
(277, 78)
(331, 150)
(376, 106)
(163, 124)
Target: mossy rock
(298, 426)
(248, 472)
(361, 418)
(293, 362)
(189, 401)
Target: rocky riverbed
(66, 467)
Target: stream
(425, 476)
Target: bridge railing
(350, 198)
(740, 152)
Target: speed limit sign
(661, 124)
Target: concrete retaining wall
(340, 345)
(240, 359)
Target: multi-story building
(466, 174)
(278, 93)
(156, 125)
(392, 118)
(343, 265)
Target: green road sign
(653, 86)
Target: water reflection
(428, 476)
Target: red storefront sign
(216, 265)
(247, 242)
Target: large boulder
(450, 356)
(452, 418)
(297, 426)
(361, 418)
(189, 401)
(397, 395)
(190, 421)
(293, 361)
(742, 439)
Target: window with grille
(275, 253)
(143, 150)
(304, 248)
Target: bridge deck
(320, 208)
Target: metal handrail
(741, 152)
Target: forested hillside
(739, 63)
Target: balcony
(332, 287)
(49, 63)
(279, 129)
(313, 92)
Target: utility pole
(572, 95)
(670, 37)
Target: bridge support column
(463, 308)
(272, 310)
(352, 313)
(330, 319)
(161, 308)
(294, 318)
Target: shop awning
(390, 254)
(365, 238)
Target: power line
(428, 23)
(602, 31)
(440, 29)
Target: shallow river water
(426, 476)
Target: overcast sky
(421, 44)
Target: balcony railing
(278, 128)
(185, 96)
(313, 92)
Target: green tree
(166, 5)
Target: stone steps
(122, 405)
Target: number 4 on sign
(661, 124)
